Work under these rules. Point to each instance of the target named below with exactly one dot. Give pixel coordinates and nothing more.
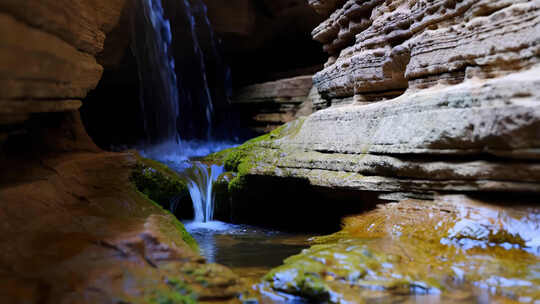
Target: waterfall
(151, 46)
(211, 84)
(209, 107)
(176, 97)
(179, 97)
(200, 179)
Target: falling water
(200, 184)
(222, 66)
(210, 85)
(151, 46)
(170, 103)
(209, 107)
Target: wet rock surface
(75, 229)
(451, 250)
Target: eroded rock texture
(377, 47)
(440, 96)
(269, 105)
(48, 53)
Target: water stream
(200, 184)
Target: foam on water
(179, 153)
(214, 226)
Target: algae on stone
(158, 182)
(160, 185)
(408, 249)
(252, 153)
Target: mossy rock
(179, 292)
(233, 157)
(223, 208)
(244, 157)
(160, 183)
(409, 249)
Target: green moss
(243, 158)
(158, 182)
(237, 184)
(398, 249)
(233, 157)
(175, 291)
(175, 223)
(185, 234)
(172, 297)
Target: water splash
(177, 156)
(151, 46)
(200, 179)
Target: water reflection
(249, 251)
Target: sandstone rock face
(269, 105)
(48, 51)
(476, 136)
(435, 96)
(380, 46)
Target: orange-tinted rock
(441, 251)
(75, 229)
(48, 51)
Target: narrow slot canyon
(269, 151)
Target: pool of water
(249, 251)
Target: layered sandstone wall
(48, 53)
(381, 46)
(441, 96)
(264, 107)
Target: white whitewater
(200, 184)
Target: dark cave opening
(112, 112)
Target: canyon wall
(427, 96)
(266, 106)
(75, 229)
(49, 51)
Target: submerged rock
(416, 249)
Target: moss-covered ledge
(257, 189)
(242, 159)
(160, 184)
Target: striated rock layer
(440, 96)
(269, 105)
(48, 53)
(481, 135)
(379, 46)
